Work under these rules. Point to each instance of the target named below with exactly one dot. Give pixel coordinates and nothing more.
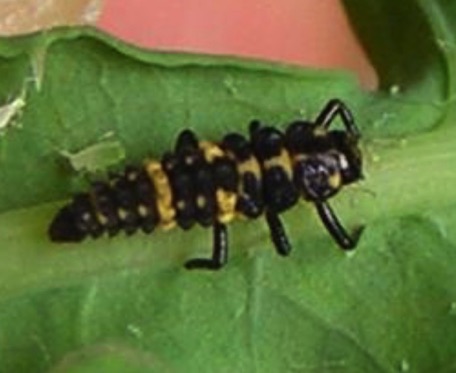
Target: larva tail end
(64, 228)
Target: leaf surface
(127, 305)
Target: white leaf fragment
(96, 157)
(9, 113)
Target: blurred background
(304, 32)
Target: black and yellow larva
(213, 183)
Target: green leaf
(76, 100)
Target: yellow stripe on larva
(226, 200)
(210, 151)
(335, 180)
(164, 195)
(283, 161)
(226, 203)
(250, 165)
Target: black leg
(219, 251)
(278, 234)
(186, 140)
(335, 228)
(337, 107)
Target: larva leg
(333, 108)
(278, 234)
(335, 228)
(219, 251)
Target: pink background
(305, 32)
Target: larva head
(323, 161)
